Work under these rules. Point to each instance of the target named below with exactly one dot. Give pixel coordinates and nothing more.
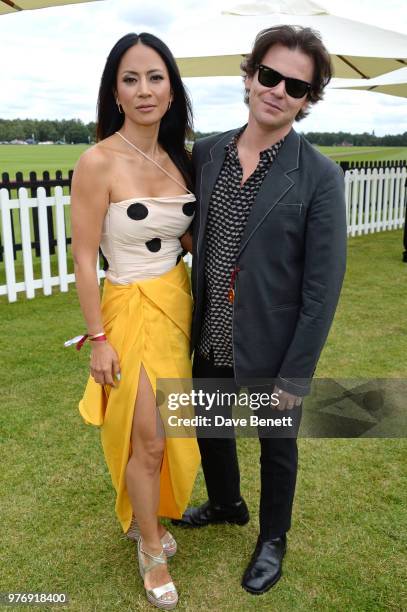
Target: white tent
(394, 83)
(216, 47)
(9, 6)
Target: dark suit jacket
(291, 259)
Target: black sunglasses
(268, 77)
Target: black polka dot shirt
(229, 209)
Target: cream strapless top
(140, 236)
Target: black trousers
(278, 463)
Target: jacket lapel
(209, 173)
(274, 187)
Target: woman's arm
(89, 202)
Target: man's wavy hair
(305, 40)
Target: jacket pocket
(289, 208)
(284, 306)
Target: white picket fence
(375, 199)
(24, 204)
(375, 202)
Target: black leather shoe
(265, 566)
(209, 514)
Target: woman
(130, 196)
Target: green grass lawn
(348, 541)
(364, 153)
(19, 158)
(38, 158)
(369, 334)
(25, 158)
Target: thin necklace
(153, 161)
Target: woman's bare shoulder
(94, 159)
(92, 175)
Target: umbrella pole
(12, 5)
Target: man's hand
(287, 401)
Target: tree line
(76, 131)
(66, 130)
(331, 139)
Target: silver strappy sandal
(168, 541)
(165, 596)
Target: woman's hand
(104, 364)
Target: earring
(169, 105)
(119, 106)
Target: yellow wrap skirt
(147, 322)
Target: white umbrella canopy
(394, 83)
(358, 50)
(9, 6)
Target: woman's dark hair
(176, 124)
(293, 37)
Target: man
(270, 235)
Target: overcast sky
(51, 61)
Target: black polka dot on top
(189, 209)
(228, 212)
(137, 211)
(154, 245)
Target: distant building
(345, 143)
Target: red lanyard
(231, 292)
